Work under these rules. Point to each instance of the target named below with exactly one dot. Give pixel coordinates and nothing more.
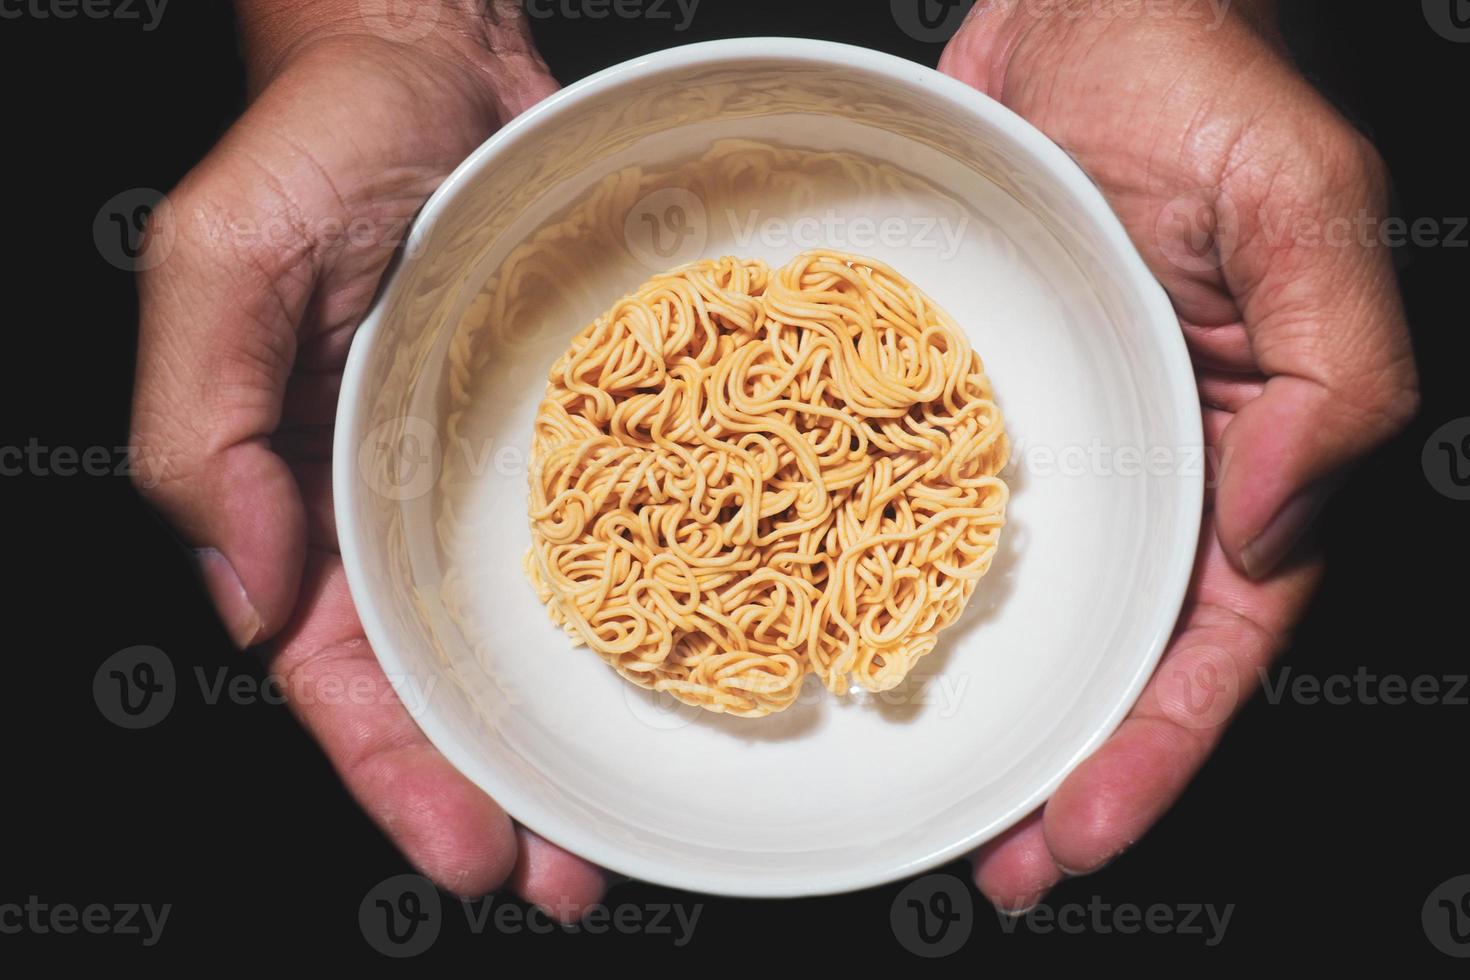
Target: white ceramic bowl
(1086, 359)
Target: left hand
(1299, 343)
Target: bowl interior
(766, 149)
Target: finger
(1214, 421)
(1016, 870)
(980, 50)
(1228, 392)
(255, 277)
(1221, 348)
(563, 885)
(522, 76)
(1229, 632)
(217, 338)
(1326, 325)
(445, 825)
(315, 480)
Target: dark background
(1326, 826)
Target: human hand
(1240, 186)
(277, 241)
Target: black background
(1326, 826)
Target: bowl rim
(1162, 325)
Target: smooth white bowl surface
(998, 226)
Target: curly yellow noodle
(740, 475)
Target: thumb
(1321, 307)
(217, 339)
(1294, 223)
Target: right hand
(277, 241)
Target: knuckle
(1399, 399)
(1361, 169)
(153, 444)
(1385, 396)
(1321, 167)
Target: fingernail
(1022, 907)
(1267, 549)
(230, 600)
(1082, 872)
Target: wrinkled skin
(278, 238)
(1221, 161)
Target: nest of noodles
(740, 476)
